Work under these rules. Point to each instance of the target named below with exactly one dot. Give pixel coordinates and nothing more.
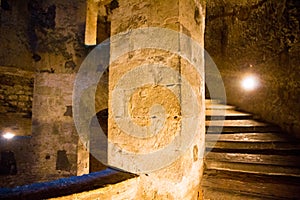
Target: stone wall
(43, 36)
(15, 47)
(259, 37)
(16, 93)
(20, 146)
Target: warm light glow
(249, 83)
(8, 135)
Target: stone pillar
(53, 132)
(156, 96)
(91, 22)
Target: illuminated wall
(259, 38)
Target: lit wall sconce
(250, 82)
(8, 135)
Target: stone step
(217, 106)
(212, 101)
(210, 193)
(254, 163)
(239, 126)
(226, 114)
(236, 123)
(248, 186)
(278, 160)
(253, 145)
(247, 137)
(256, 151)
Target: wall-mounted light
(8, 135)
(250, 82)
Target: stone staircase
(250, 159)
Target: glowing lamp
(8, 135)
(249, 83)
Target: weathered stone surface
(54, 136)
(21, 147)
(16, 91)
(48, 36)
(124, 190)
(143, 103)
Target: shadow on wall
(8, 164)
(102, 119)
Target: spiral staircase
(249, 159)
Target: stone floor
(250, 159)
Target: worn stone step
(278, 160)
(247, 137)
(263, 190)
(253, 177)
(226, 130)
(228, 117)
(253, 168)
(248, 186)
(220, 194)
(212, 101)
(253, 145)
(217, 106)
(236, 123)
(226, 114)
(238, 126)
(263, 143)
(254, 163)
(256, 151)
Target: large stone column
(156, 95)
(53, 131)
